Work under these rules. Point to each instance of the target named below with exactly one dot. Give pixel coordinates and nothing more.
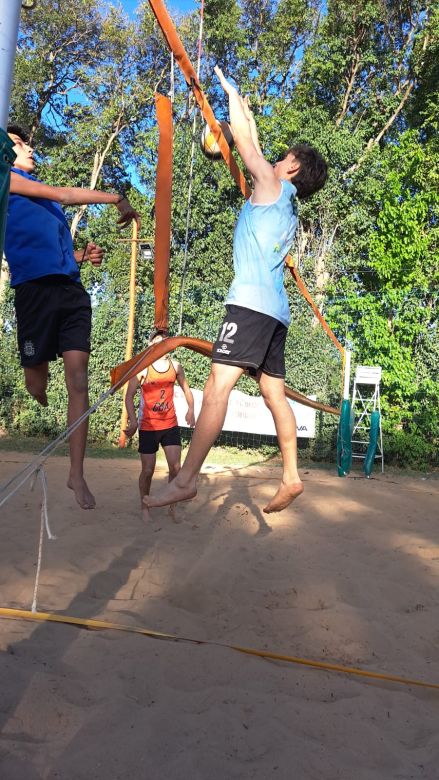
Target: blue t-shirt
(263, 237)
(37, 240)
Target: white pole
(347, 374)
(9, 21)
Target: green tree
(392, 310)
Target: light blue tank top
(263, 237)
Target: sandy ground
(349, 574)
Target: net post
(9, 23)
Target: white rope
(19, 479)
(40, 555)
(191, 173)
(188, 219)
(200, 39)
(24, 474)
(44, 504)
(43, 525)
(35, 468)
(172, 79)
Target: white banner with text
(248, 414)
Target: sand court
(348, 574)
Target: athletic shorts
(149, 441)
(53, 316)
(251, 340)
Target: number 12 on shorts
(227, 332)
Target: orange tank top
(157, 411)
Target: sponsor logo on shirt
(161, 406)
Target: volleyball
(208, 144)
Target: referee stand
(365, 400)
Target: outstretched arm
(251, 120)
(182, 381)
(73, 196)
(267, 185)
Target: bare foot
(42, 398)
(172, 494)
(284, 496)
(84, 497)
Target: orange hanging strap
(302, 287)
(125, 371)
(173, 40)
(163, 197)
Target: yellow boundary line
(103, 625)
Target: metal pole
(9, 22)
(130, 334)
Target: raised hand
(127, 213)
(226, 85)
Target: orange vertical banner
(163, 200)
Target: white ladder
(365, 400)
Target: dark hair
(18, 130)
(158, 332)
(313, 170)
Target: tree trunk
(98, 162)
